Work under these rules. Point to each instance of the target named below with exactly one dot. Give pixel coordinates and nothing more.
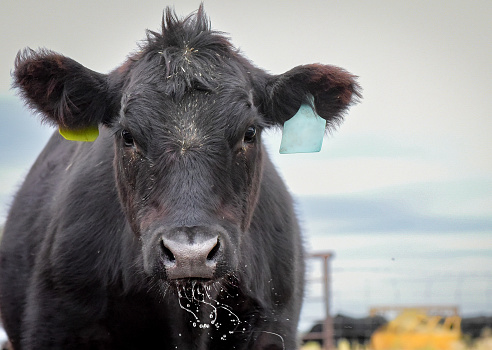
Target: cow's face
(188, 169)
(186, 114)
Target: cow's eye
(250, 134)
(127, 138)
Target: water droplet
(194, 324)
(179, 334)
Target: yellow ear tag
(88, 134)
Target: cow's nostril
(168, 254)
(213, 253)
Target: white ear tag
(303, 133)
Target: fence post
(328, 333)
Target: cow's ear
(65, 93)
(331, 89)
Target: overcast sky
(412, 160)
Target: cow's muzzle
(190, 253)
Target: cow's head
(186, 114)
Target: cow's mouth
(197, 283)
(192, 283)
(192, 280)
(195, 286)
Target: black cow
(172, 230)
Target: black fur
(82, 261)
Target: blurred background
(401, 193)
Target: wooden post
(327, 334)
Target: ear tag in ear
(303, 133)
(88, 134)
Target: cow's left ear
(331, 89)
(65, 93)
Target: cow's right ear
(330, 90)
(65, 93)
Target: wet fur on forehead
(186, 55)
(184, 77)
(200, 118)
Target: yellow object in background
(414, 330)
(312, 345)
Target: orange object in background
(415, 330)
